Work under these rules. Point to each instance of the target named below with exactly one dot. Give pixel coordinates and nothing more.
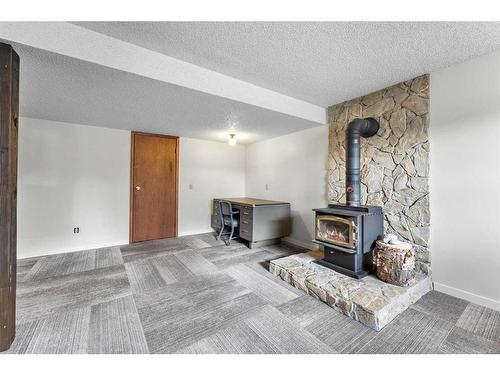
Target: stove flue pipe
(365, 128)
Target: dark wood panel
(9, 112)
(154, 186)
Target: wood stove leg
(9, 112)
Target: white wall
(294, 169)
(465, 180)
(71, 176)
(78, 176)
(207, 170)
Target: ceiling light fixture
(232, 139)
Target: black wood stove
(348, 231)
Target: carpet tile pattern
(193, 294)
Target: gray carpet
(194, 295)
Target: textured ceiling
(60, 88)
(322, 63)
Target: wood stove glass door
(336, 230)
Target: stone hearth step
(368, 300)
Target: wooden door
(154, 181)
(9, 111)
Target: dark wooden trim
(155, 135)
(131, 192)
(177, 153)
(9, 114)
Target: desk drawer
(246, 229)
(215, 222)
(245, 223)
(215, 207)
(246, 213)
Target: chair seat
(227, 221)
(230, 218)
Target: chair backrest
(225, 208)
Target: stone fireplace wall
(394, 162)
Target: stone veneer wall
(394, 163)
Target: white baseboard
(33, 254)
(197, 231)
(468, 296)
(308, 245)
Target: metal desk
(262, 222)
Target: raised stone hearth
(369, 300)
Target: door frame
(132, 187)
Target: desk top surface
(252, 201)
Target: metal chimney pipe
(365, 128)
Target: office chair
(229, 218)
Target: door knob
(137, 188)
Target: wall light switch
(190, 186)
(267, 186)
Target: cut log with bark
(395, 263)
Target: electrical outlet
(76, 230)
